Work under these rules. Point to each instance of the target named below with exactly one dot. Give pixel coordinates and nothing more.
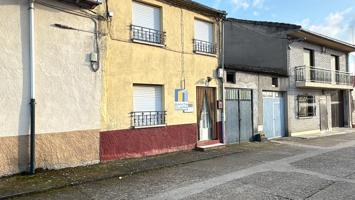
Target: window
(146, 23)
(203, 41)
(147, 106)
(335, 63)
(231, 77)
(306, 106)
(308, 57)
(275, 82)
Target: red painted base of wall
(133, 143)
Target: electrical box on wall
(219, 104)
(220, 73)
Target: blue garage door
(274, 115)
(239, 118)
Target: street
(290, 168)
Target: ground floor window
(147, 106)
(306, 106)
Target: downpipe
(33, 91)
(223, 89)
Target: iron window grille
(148, 35)
(148, 118)
(306, 106)
(204, 47)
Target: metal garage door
(239, 118)
(274, 117)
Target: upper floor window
(335, 63)
(203, 41)
(146, 23)
(308, 57)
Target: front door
(206, 113)
(323, 114)
(337, 109)
(273, 105)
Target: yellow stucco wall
(127, 63)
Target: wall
(249, 47)
(68, 91)
(322, 60)
(258, 83)
(129, 63)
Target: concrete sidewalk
(20, 185)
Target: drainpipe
(32, 85)
(223, 89)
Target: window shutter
(147, 98)
(146, 16)
(203, 31)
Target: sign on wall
(181, 99)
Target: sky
(335, 18)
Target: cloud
(337, 25)
(258, 4)
(240, 4)
(247, 4)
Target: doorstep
(209, 145)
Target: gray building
(285, 80)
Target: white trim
(148, 43)
(205, 54)
(155, 126)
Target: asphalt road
(322, 168)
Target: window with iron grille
(147, 106)
(203, 41)
(146, 24)
(306, 106)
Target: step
(210, 147)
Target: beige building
(68, 90)
(160, 83)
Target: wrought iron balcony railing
(319, 75)
(148, 35)
(148, 118)
(204, 47)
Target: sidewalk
(44, 180)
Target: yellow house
(160, 84)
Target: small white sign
(190, 109)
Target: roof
(266, 23)
(307, 35)
(321, 39)
(192, 5)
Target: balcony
(204, 47)
(313, 77)
(147, 35)
(146, 119)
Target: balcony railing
(320, 75)
(148, 35)
(147, 118)
(343, 78)
(204, 47)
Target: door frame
(214, 121)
